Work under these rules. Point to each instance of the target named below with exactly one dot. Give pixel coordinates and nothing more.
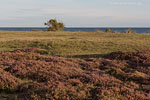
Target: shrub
(8, 83)
(54, 25)
(108, 30)
(119, 77)
(129, 31)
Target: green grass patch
(73, 44)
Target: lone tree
(108, 30)
(53, 25)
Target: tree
(53, 25)
(108, 30)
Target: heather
(28, 75)
(42, 65)
(8, 82)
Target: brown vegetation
(31, 76)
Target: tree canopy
(54, 25)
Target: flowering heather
(31, 76)
(8, 82)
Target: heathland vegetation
(47, 65)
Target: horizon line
(78, 27)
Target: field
(74, 44)
(41, 65)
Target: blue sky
(75, 13)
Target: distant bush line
(107, 30)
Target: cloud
(72, 12)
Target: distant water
(138, 30)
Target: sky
(75, 13)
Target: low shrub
(32, 76)
(8, 83)
(129, 31)
(108, 30)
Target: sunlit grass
(74, 43)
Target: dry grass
(74, 44)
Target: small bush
(54, 25)
(108, 30)
(129, 31)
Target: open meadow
(74, 44)
(40, 65)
